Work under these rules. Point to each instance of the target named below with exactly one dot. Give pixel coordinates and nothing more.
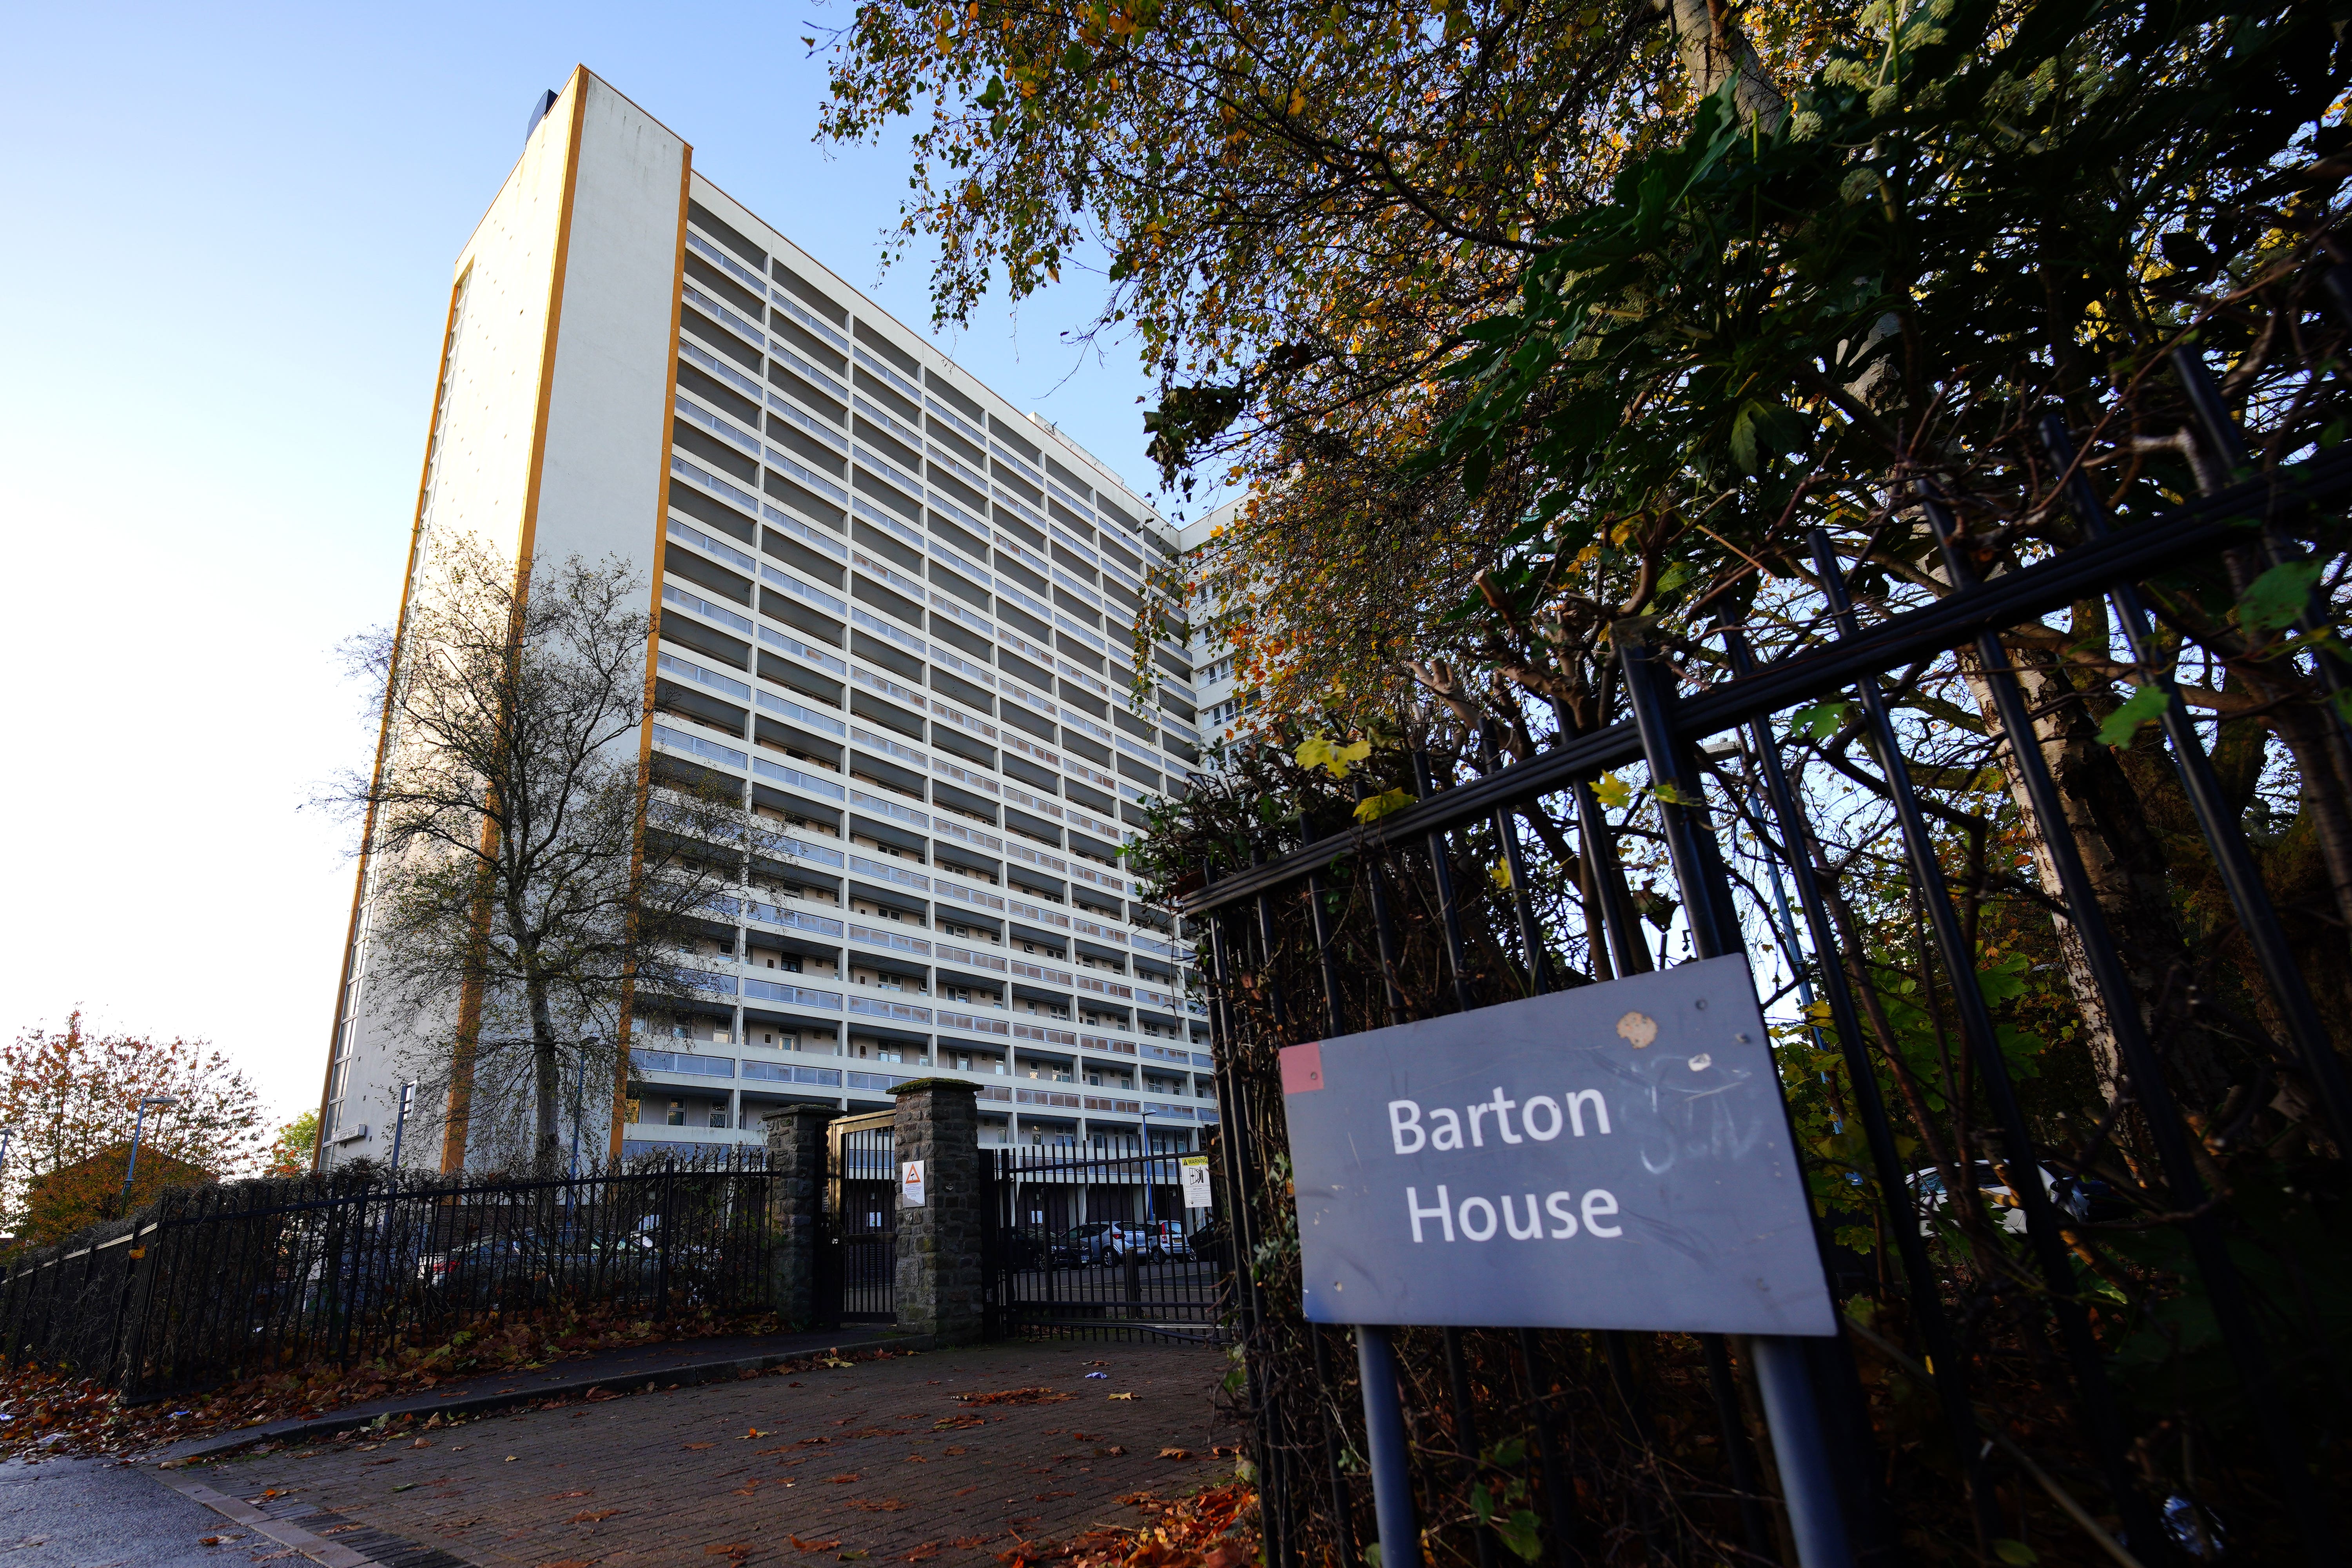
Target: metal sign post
(1612, 1157)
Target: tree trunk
(1714, 50)
(2111, 823)
(544, 1065)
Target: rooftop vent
(539, 113)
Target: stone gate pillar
(796, 1157)
(940, 1280)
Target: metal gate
(1102, 1245)
(859, 1258)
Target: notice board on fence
(1616, 1156)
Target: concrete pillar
(940, 1280)
(796, 1160)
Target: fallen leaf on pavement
(812, 1545)
(596, 1517)
(1016, 1396)
(737, 1550)
(966, 1542)
(692, 1446)
(560, 1496)
(1185, 1532)
(888, 1505)
(842, 1480)
(1175, 1453)
(1119, 1396)
(928, 1549)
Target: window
(719, 1116)
(676, 1117)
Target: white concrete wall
(598, 191)
(608, 412)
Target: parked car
(1022, 1249)
(1149, 1237)
(2080, 1198)
(1107, 1240)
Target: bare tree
(532, 886)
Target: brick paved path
(877, 1462)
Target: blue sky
(226, 252)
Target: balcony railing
(801, 590)
(801, 367)
(794, 919)
(797, 779)
(695, 473)
(817, 538)
(670, 664)
(948, 890)
(809, 422)
(876, 869)
(914, 393)
(797, 996)
(888, 939)
(801, 651)
(683, 1062)
(946, 769)
(886, 745)
(898, 1012)
(947, 954)
(679, 740)
(800, 715)
(706, 542)
(704, 359)
(726, 263)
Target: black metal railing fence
(224, 1281)
(1099, 1243)
(857, 1282)
(2114, 1336)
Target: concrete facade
(897, 612)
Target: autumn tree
(530, 886)
(1518, 321)
(296, 1146)
(72, 1098)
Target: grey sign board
(1611, 1157)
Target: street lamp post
(1150, 1209)
(400, 1123)
(138, 1125)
